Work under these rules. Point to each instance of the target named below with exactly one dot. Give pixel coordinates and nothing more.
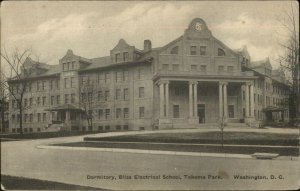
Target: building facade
(192, 81)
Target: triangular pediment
(122, 44)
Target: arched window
(174, 50)
(221, 52)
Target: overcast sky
(92, 29)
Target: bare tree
(289, 61)
(88, 100)
(13, 79)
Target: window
(100, 95)
(25, 102)
(139, 72)
(66, 98)
(73, 65)
(52, 100)
(72, 82)
(44, 116)
(221, 68)
(43, 85)
(203, 68)
(174, 50)
(107, 95)
(100, 114)
(142, 112)
(126, 113)
(72, 98)
(117, 57)
(25, 117)
(202, 50)
(193, 67)
(58, 99)
(51, 84)
(13, 117)
(44, 100)
(230, 68)
(107, 113)
(101, 78)
(175, 111)
(125, 127)
(39, 117)
(118, 127)
(230, 111)
(107, 77)
(66, 83)
(175, 67)
(57, 84)
(193, 50)
(125, 56)
(126, 93)
(38, 100)
(118, 113)
(69, 66)
(119, 76)
(141, 92)
(125, 75)
(100, 128)
(37, 86)
(177, 91)
(31, 117)
(64, 66)
(118, 94)
(107, 127)
(30, 101)
(165, 66)
(221, 52)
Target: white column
(225, 101)
(195, 100)
(167, 99)
(247, 100)
(220, 100)
(251, 101)
(161, 100)
(191, 99)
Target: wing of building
(193, 81)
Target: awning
(65, 107)
(274, 109)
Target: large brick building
(195, 79)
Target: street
(129, 171)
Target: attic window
(117, 57)
(174, 50)
(125, 56)
(221, 52)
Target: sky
(92, 29)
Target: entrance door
(201, 113)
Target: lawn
(282, 151)
(43, 135)
(236, 138)
(20, 183)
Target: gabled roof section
(71, 56)
(224, 45)
(261, 64)
(169, 44)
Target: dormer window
(221, 52)
(174, 50)
(125, 56)
(64, 66)
(117, 57)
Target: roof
(261, 63)
(65, 107)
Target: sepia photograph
(150, 95)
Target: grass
(20, 183)
(236, 138)
(43, 135)
(283, 151)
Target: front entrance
(201, 113)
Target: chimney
(147, 45)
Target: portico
(202, 101)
